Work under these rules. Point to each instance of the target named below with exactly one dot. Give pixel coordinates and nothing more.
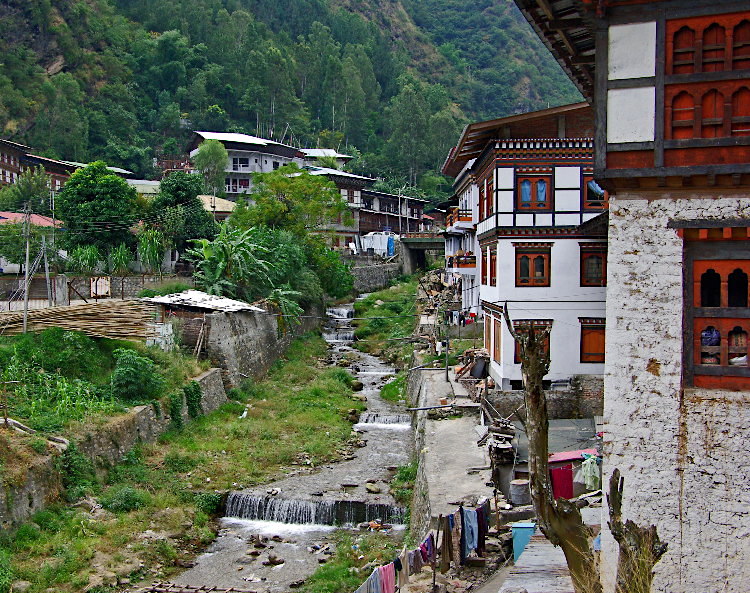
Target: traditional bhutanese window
(490, 198)
(522, 326)
(741, 46)
(498, 340)
(533, 264)
(714, 46)
(712, 118)
(484, 265)
(592, 339)
(593, 264)
(482, 205)
(741, 112)
(350, 195)
(594, 197)
(534, 193)
(488, 333)
(683, 51)
(493, 265)
(718, 314)
(683, 114)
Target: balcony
(462, 262)
(459, 219)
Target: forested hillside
(389, 80)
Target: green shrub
(39, 445)
(395, 389)
(175, 410)
(6, 572)
(208, 502)
(165, 289)
(124, 499)
(193, 397)
(135, 377)
(77, 473)
(177, 462)
(342, 376)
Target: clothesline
(463, 532)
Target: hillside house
(670, 86)
(528, 229)
(311, 156)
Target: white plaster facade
(681, 450)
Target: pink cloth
(388, 578)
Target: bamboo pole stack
(119, 320)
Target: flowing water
(302, 511)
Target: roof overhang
(567, 28)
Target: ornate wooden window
(683, 115)
(683, 51)
(717, 313)
(498, 340)
(350, 195)
(533, 264)
(482, 205)
(714, 48)
(522, 326)
(740, 122)
(490, 198)
(712, 114)
(592, 339)
(484, 265)
(488, 332)
(594, 197)
(593, 264)
(741, 46)
(493, 265)
(534, 193)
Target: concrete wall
(247, 343)
(105, 445)
(682, 451)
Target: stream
(292, 521)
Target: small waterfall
(377, 418)
(340, 312)
(308, 512)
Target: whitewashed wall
(684, 454)
(565, 337)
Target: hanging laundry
(481, 531)
(423, 551)
(403, 574)
(388, 578)
(470, 531)
(415, 562)
(590, 469)
(429, 543)
(455, 520)
(446, 544)
(373, 583)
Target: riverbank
(154, 512)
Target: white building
(247, 155)
(533, 201)
(311, 156)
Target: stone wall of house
(683, 452)
(121, 287)
(105, 446)
(369, 278)
(583, 399)
(245, 344)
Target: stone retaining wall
(374, 277)
(105, 446)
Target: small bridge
(414, 249)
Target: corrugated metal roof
(202, 300)
(212, 203)
(540, 569)
(319, 152)
(233, 137)
(570, 455)
(336, 172)
(34, 219)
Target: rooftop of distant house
(316, 153)
(34, 219)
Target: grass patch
(389, 315)
(402, 484)
(165, 289)
(395, 390)
(340, 574)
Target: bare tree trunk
(560, 520)
(640, 547)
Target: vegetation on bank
(158, 503)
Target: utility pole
(27, 229)
(46, 270)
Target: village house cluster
(639, 197)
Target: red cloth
(562, 481)
(388, 578)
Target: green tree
(291, 198)
(97, 207)
(178, 213)
(13, 242)
(31, 187)
(211, 160)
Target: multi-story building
(247, 155)
(537, 215)
(461, 245)
(381, 211)
(312, 156)
(670, 85)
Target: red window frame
(534, 203)
(528, 273)
(493, 265)
(498, 326)
(593, 337)
(588, 251)
(488, 332)
(484, 265)
(590, 200)
(522, 325)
